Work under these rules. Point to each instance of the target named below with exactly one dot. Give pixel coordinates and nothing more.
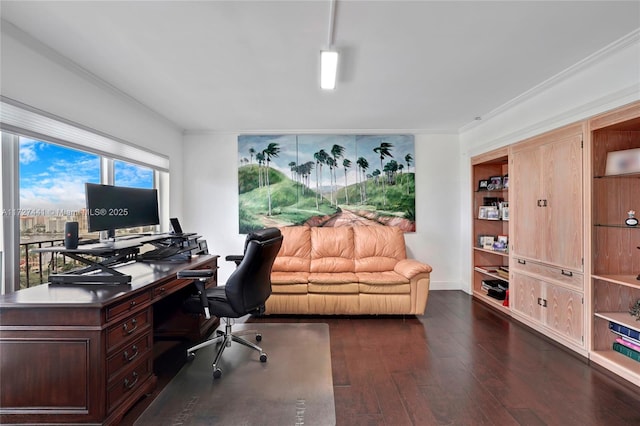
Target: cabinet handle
(130, 385)
(567, 273)
(134, 323)
(539, 203)
(132, 304)
(522, 262)
(128, 358)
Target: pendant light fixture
(329, 56)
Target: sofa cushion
(295, 252)
(289, 277)
(381, 278)
(378, 248)
(333, 278)
(346, 288)
(332, 249)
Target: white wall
(606, 80)
(211, 185)
(35, 75)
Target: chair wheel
(258, 337)
(220, 332)
(217, 373)
(191, 356)
(263, 357)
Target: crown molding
(620, 44)
(71, 66)
(582, 112)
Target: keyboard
(160, 253)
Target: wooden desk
(83, 353)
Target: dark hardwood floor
(459, 364)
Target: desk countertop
(96, 294)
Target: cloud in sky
(53, 176)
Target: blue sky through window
(53, 176)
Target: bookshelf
(490, 224)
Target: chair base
(226, 337)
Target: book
(497, 293)
(634, 355)
(628, 344)
(629, 333)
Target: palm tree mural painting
(270, 152)
(384, 150)
(346, 163)
(286, 185)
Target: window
(52, 179)
(45, 162)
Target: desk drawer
(121, 388)
(129, 354)
(128, 329)
(552, 273)
(127, 305)
(168, 288)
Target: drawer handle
(542, 302)
(130, 385)
(128, 358)
(126, 329)
(522, 262)
(567, 273)
(132, 304)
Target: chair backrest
(249, 286)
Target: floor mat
(294, 386)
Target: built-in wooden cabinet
(547, 206)
(490, 261)
(614, 246)
(547, 277)
(574, 262)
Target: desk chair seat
(245, 292)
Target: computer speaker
(71, 235)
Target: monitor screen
(117, 207)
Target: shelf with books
(615, 262)
(490, 226)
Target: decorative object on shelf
(493, 213)
(632, 220)
(495, 183)
(635, 310)
(623, 162)
(505, 181)
(504, 210)
(482, 185)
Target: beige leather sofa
(347, 271)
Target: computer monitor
(117, 207)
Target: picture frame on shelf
(495, 183)
(505, 213)
(505, 181)
(482, 212)
(500, 244)
(493, 213)
(487, 242)
(483, 184)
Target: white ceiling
(253, 65)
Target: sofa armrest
(409, 268)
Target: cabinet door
(523, 208)
(562, 189)
(525, 295)
(564, 312)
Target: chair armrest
(234, 258)
(409, 268)
(199, 277)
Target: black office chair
(245, 292)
